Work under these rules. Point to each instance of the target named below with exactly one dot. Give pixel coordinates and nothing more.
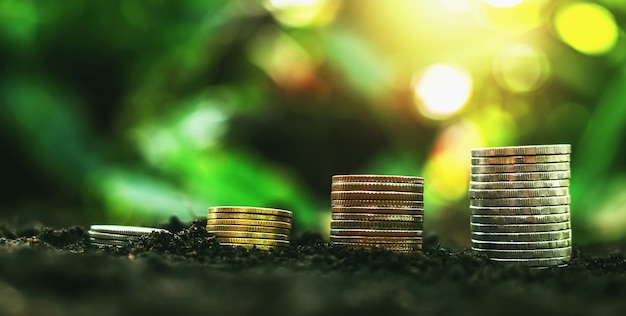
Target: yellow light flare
(456, 5)
(302, 13)
(520, 68)
(503, 3)
(512, 16)
(442, 90)
(587, 27)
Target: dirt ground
(56, 272)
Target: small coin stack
(377, 211)
(519, 199)
(115, 235)
(261, 228)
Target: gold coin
(519, 184)
(377, 178)
(378, 210)
(249, 228)
(250, 222)
(537, 201)
(252, 241)
(214, 215)
(522, 150)
(376, 240)
(526, 254)
(528, 176)
(520, 159)
(376, 232)
(377, 186)
(377, 217)
(390, 203)
(534, 167)
(521, 219)
(250, 210)
(240, 234)
(386, 225)
(376, 195)
(519, 228)
(519, 193)
(526, 245)
(250, 246)
(390, 247)
(528, 210)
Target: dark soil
(57, 272)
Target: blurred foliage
(131, 112)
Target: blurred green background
(130, 112)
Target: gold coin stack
(519, 199)
(250, 227)
(377, 211)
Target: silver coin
(559, 149)
(518, 193)
(527, 176)
(518, 168)
(390, 203)
(521, 228)
(125, 230)
(506, 245)
(376, 239)
(523, 237)
(101, 245)
(377, 186)
(99, 235)
(544, 262)
(526, 254)
(377, 217)
(376, 232)
(381, 225)
(519, 184)
(542, 201)
(520, 159)
(111, 242)
(528, 210)
(520, 219)
(378, 210)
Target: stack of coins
(519, 199)
(377, 211)
(262, 228)
(115, 235)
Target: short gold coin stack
(250, 227)
(519, 199)
(377, 211)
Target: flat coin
(547, 262)
(252, 241)
(376, 240)
(376, 195)
(110, 242)
(523, 237)
(526, 254)
(250, 246)
(520, 228)
(240, 234)
(214, 215)
(514, 202)
(249, 228)
(528, 210)
(249, 222)
(100, 245)
(520, 159)
(378, 210)
(376, 178)
(250, 210)
(519, 184)
(390, 247)
(377, 217)
(520, 219)
(99, 235)
(528, 176)
(518, 193)
(376, 232)
(390, 203)
(125, 230)
(495, 245)
(386, 225)
(522, 150)
(377, 186)
(534, 167)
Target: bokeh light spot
(587, 27)
(520, 68)
(456, 5)
(503, 3)
(442, 90)
(301, 13)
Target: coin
(377, 178)
(250, 222)
(378, 210)
(376, 240)
(110, 242)
(391, 225)
(520, 237)
(240, 234)
(535, 167)
(253, 241)
(496, 245)
(519, 228)
(522, 150)
(377, 186)
(538, 201)
(376, 232)
(521, 219)
(390, 203)
(544, 262)
(125, 230)
(250, 210)
(520, 159)
(99, 235)
(214, 215)
(528, 210)
(375, 195)
(528, 176)
(519, 193)
(249, 228)
(377, 217)
(389, 247)
(250, 246)
(519, 184)
(526, 254)
(101, 245)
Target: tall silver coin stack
(377, 211)
(520, 204)
(115, 235)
